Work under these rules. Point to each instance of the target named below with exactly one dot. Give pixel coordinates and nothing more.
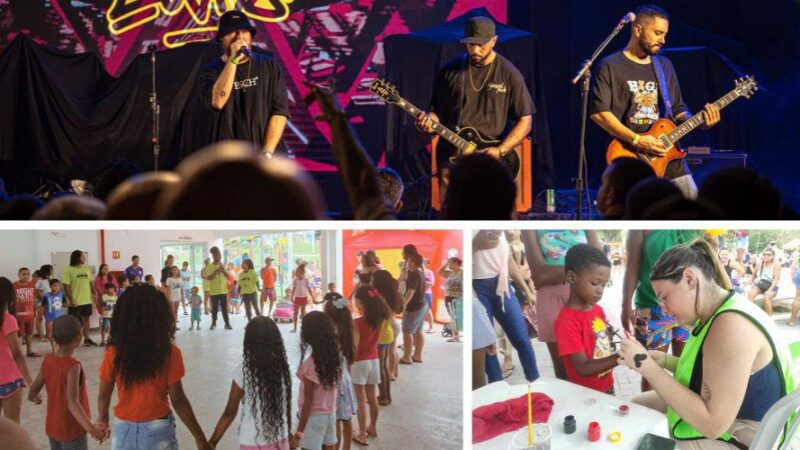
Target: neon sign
(126, 15)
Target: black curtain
(64, 115)
(759, 38)
(412, 61)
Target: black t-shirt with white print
(259, 92)
(630, 91)
(493, 95)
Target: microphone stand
(155, 107)
(584, 76)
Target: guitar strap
(663, 88)
(462, 92)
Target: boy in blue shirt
(52, 302)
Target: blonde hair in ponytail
(699, 254)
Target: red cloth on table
(501, 417)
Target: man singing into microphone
(246, 90)
(626, 93)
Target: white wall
(31, 248)
(146, 244)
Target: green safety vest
(684, 373)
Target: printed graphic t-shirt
(584, 331)
(630, 91)
(259, 92)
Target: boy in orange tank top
(68, 417)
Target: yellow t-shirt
(79, 281)
(387, 332)
(248, 282)
(219, 284)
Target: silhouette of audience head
(480, 188)
(618, 179)
(136, 197)
(647, 192)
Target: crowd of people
(347, 365)
(719, 382)
(630, 190)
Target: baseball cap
(232, 21)
(478, 30)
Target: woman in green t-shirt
(77, 282)
(248, 288)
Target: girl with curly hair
(389, 289)
(319, 376)
(262, 383)
(337, 310)
(366, 370)
(146, 381)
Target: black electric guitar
(466, 141)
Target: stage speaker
(524, 180)
(702, 164)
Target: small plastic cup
(541, 438)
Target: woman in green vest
(734, 367)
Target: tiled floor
(426, 412)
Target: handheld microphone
(246, 52)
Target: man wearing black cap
(482, 90)
(246, 90)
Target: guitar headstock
(746, 87)
(384, 90)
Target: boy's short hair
(457, 260)
(134, 257)
(581, 256)
(22, 269)
(54, 281)
(148, 277)
(391, 185)
(331, 284)
(195, 288)
(109, 285)
(121, 279)
(65, 329)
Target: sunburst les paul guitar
(669, 134)
(466, 141)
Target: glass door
(193, 253)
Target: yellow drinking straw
(530, 418)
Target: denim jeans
(219, 302)
(156, 434)
(512, 322)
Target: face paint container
(569, 425)
(594, 431)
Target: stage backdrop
(759, 38)
(436, 245)
(76, 80)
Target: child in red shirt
(68, 418)
(24, 302)
(583, 340)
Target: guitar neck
(697, 120)
(438, 128)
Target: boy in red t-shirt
(24, 302)
(68, 419)
(583, 340)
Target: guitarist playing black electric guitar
(481, 90)
(627, 91)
